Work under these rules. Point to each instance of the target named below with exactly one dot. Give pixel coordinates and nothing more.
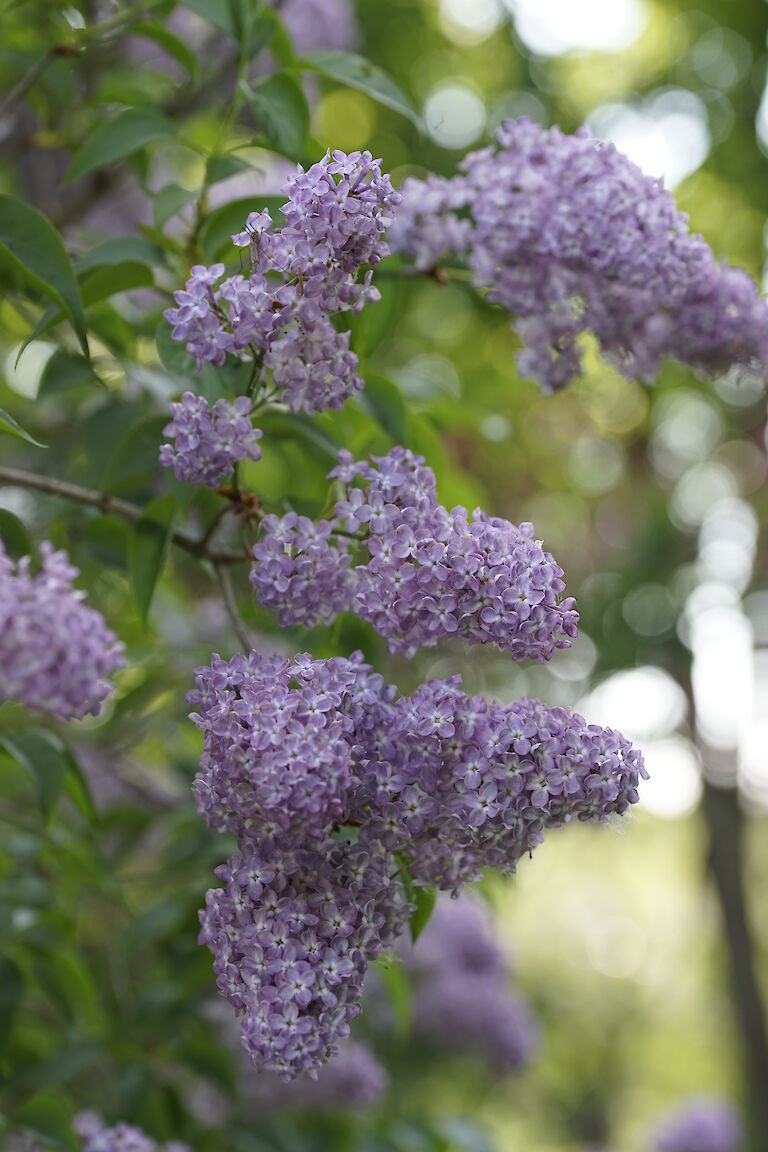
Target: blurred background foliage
(644, 950)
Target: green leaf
(223, 223)
(48, 1116)
(121, 250)
(169, 202)
(171, 43)
(65, 370)
(424, 899)
(295, 426)
(8, 424)
(356, 72)
(281, 109)
(45, 758)
(14, 535)
(33, 245)
(148, 549)
(226, 15)
(222, 167)
(384, 401)
(104, 283)
(11, 989)
(398, 992)
(117, 138)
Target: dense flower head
(569, 236)
(318, 263)
(97, 1136)
(209, 441)
(429, 572)
(56, 653)
(702, 1125)
(462, 997)
(332, 784)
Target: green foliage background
(145, 151)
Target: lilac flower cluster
(209, 442)
(56, 653)
(569, 236)
(702, 1125)
(96, 1136)
(430, 572)
(332, 785)
(462, 1000)
(301, 275)
(352, 1079)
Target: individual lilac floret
(319, 263)
(208, 442)
(569, 236)
(330, 782)
(702, 1125)
(430, 573)
(96, 1136)
(56, 654)
(462, 1000)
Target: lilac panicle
(329, 780)
(318, 264)
(569, 236)
(429, 573)
(96, 1136)
(208, 442)
(703, 1124)
(56, 653)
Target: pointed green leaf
(121, 250)
(148, 549)
(14, 535)
(48, 1116)
(8, 424)
(45, 758)
(424, 899)
(117, 138)
(222, 167)
(356, 72)
(167, 40)
(33, 245)
(281, 109)
(170, 201)
(384, 401)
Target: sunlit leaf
(281, 109)
(356, 72)
(117, 138)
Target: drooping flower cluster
(333, 785)
(353, 1079)
(429, 573)
(702, 1125)
(97, 1136)
(208, 442)
(462, 1000)
(56, 654)
(301, 275)
(569, 236)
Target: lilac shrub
(569, 236)
(209, 442)
(702, 1125)
(56, 653)
(462, 1000)
(429, 572)
(333, 785)
(318, 264)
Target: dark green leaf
(281, 109)
(223, 223)
(136, 453)
(225, 15)
(170, 201)
(121, 250)
(11, 989)
(48, 1116)
(148, 549)
(171, 43)
(33, 245)
(8, 424)
(14, 535)
(424, 899)
(115, 139)
(46, 760)
(384, 401)
(110, 281)
(356, 72)
(65, 370)
(222, 167)
(295, 426)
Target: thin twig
(230, 603)
(105, 502)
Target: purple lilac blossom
(429, 573)
(97, 1136)
(56, 653)
(702, 1125)
(462, 999)
(209, 442)
(352, 1079)
(329, 780)
(569, 236)
(301, 275)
